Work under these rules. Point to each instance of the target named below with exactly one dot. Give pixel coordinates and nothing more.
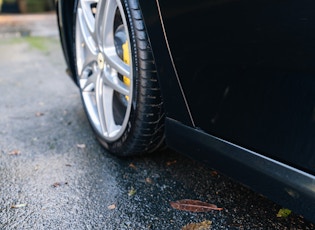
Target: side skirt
(287, 186)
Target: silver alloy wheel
(105, 79)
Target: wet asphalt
(55, 175)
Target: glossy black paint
(175, 104)
(248, 71)
(65, 13)
(238, 83)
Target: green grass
(47, 46)
(42, 44)
(39, 43)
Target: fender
(65, 12)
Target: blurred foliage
(42, 44)
(32, 6)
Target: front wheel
(116, 74)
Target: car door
(247, 71)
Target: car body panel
(247, 74)
(174, 100)
(65, 12)
(286, 185)
(247, 69)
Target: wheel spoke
(88, 14)
(86, 21)
(99, 25)
(90, 60)
(104, 101)
(111, 79)
(88, 83)
(105, 28)
(112, 59)
(112, 128)
(99, 94)
(106, 36)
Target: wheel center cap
(100, 61)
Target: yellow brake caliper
(126, 59)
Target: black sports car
(227, 82)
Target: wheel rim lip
(88, 99)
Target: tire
(117, 76)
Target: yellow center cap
(100, 61)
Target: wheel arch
(65, 11)
(175, 104)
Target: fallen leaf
(169, 163)
(111, 207)
(193, 206)
(132, 166)
(39, 114)
(18, 205)
(204, 225)
(15, 152)
(283, 212)
(132, 192)
(148, 180)
(81, 146)
(57, 184)
(214, 173)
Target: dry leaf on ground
(194, 206)
(15, 152)
(39, 114)
(57, 184)
(169, 163)
(214, 173)
(132, 192)
(81, 146)
(284, 213)
(132, 166)
(18, 205)
(204, 225)
(111, 207)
